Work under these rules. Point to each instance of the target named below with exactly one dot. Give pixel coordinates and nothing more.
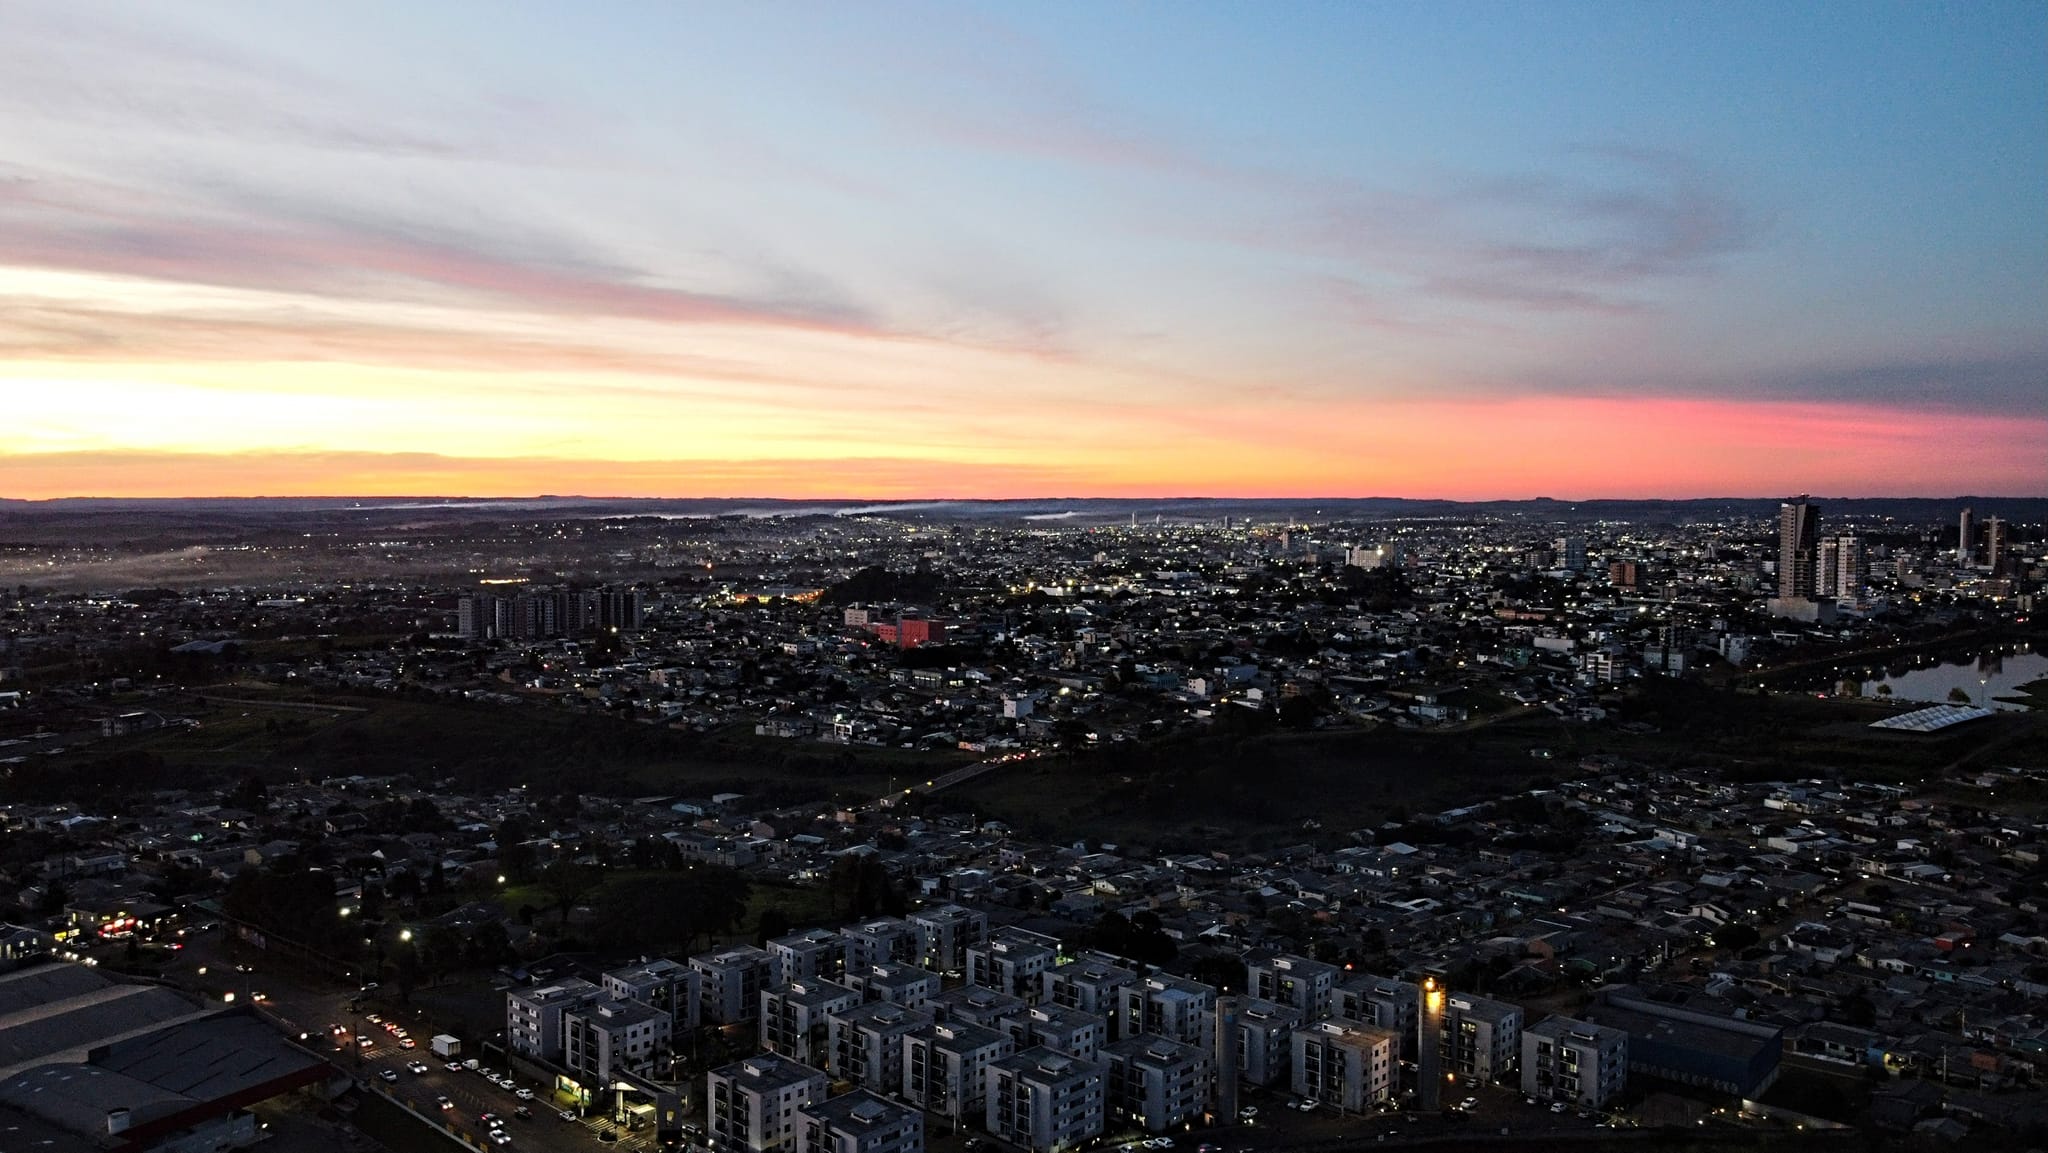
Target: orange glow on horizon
(1563, 447)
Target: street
(215, 965)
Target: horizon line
(386, 500)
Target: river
(1985, 678)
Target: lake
(1985, 678)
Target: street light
(405, 934)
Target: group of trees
(860, 886)
(292, 901)
(670, 911)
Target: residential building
(865, 1043)
(984, 1007)
(730, 983)
(755, 1104)
(1167, 1006)
(1010, 966)
(605, 1038)
(1307, 986)
(667, 985)
(1070, 1031)
(1386, 1002)
(859, 1122)
(1045, 1101)
(1265, 1032)
(1089, 986)
(793, 1017)
(812, 953)
(905, 985)
(1155, 1083)
(1577, 1062)
(1481, 1037)
(944, 935)
(884, 940)
(945, 1066)
(1347, 1065)
(533, 1017)
(1798, 537)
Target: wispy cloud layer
(1048, 248)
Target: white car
(388, 1074)
(524, 1094)
(500, 1137)
(417, 1066)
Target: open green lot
(281, 734)
(1250, 790)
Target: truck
(445, 1046)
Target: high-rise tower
(1968, 524)
(1997, 545)
(1798, 546)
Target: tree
(489, 944)
(568, 882)
(861, 886)
(772, 923)
(1959, 695)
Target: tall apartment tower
(1968, 525)
(1798, 548)
(1997, 545)
(1843, 570)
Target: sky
(1445, 249)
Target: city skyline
(1467, 252)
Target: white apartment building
(865, 1043)
(1309, 987)
(1045, 1101)
(793, 1017)
(667, 985)
(859, 1122)
(945, 1066)
(755, 1104)
(1265, 1047)
(1577, 1062)
(1089, 986)
(603, 1039)
(1010, 966)
(1156, 1083)
(1069, 1031)
(1385, 1002)
(944, 935)
(730, 983)
(1481, 1037)
(1167, 1006)
(905, 985)
(884, 940)
(1348, 1065)
(812, 953)
(533, 1017)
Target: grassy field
(1246, 791)
(279, 734)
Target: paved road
(214, 964)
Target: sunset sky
(1443, 249)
